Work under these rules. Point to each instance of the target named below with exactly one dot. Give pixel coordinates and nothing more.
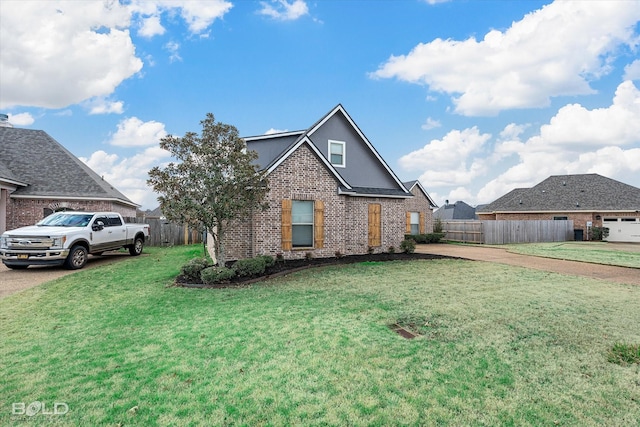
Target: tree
(214, 184)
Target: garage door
(623, 229)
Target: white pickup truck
(68, 238)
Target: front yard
(499, 345)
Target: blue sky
(474, 98)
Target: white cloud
(59, 53)
(274, 131)
(21, 119)
(447, 153)
(101, 105)
(575, 140)
(431, 124)
(174, 51)
(129, 174)
(632, 71)
(524, 66)
(283, 10)
(133, 132)
(151, 27)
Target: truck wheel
(77, 258)
(136, 248)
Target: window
(302, 223)
(337, 154)
(560, 218)
(415, 222)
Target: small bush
(308, 255)
(392, 249)
(193, 267)
(599, 233)
(408, 246)
(279, 257)
(438, 227)
(213, 275)
(250, 266)
(269, 261)
(338, 254)
(425, 238)
(624, 354)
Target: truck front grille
(17, 243)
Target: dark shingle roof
(564, 193)
(457, 210)
(49, 170)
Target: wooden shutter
(423, 230)
(407, 229)
(287, 230)
(374, 225)
(318, 224)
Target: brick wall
(303, 177)
(25, 212)
(420, 203)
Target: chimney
(4, 121)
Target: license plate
(23, 256)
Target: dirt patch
(281, 268)
(12, 281)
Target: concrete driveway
(492, 254)
(12, 281)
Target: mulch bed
(281, 268)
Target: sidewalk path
(492, 254)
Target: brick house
(38, 176)
(329, 192)
(590, 200)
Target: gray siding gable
(365, 172)
(50, 170)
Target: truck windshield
(66, 220)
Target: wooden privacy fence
(166, 233)
(502, 232)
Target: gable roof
(566, 193)
(457, 210)
(45, 169)
(276, 148)
(409, 185)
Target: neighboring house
(330, 192)
(590, 200)
(38, 176)
(456, 211)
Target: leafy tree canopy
(214, 182)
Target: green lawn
(501, 346)
(596, 252)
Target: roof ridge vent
(4, 121)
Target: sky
(473, 98)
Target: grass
(595, 252)
(501, 346)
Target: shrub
(392, 249)
(438, 227)
(425, 238)
(308, 255)
(599, 233)
(213, 275)
(338, 254)
(269, 261)
(408, 246)
(250, 266)
(193, 267)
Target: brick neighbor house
(38, 176)
(590, 200)
(329, 192)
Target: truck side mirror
(97, 226)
